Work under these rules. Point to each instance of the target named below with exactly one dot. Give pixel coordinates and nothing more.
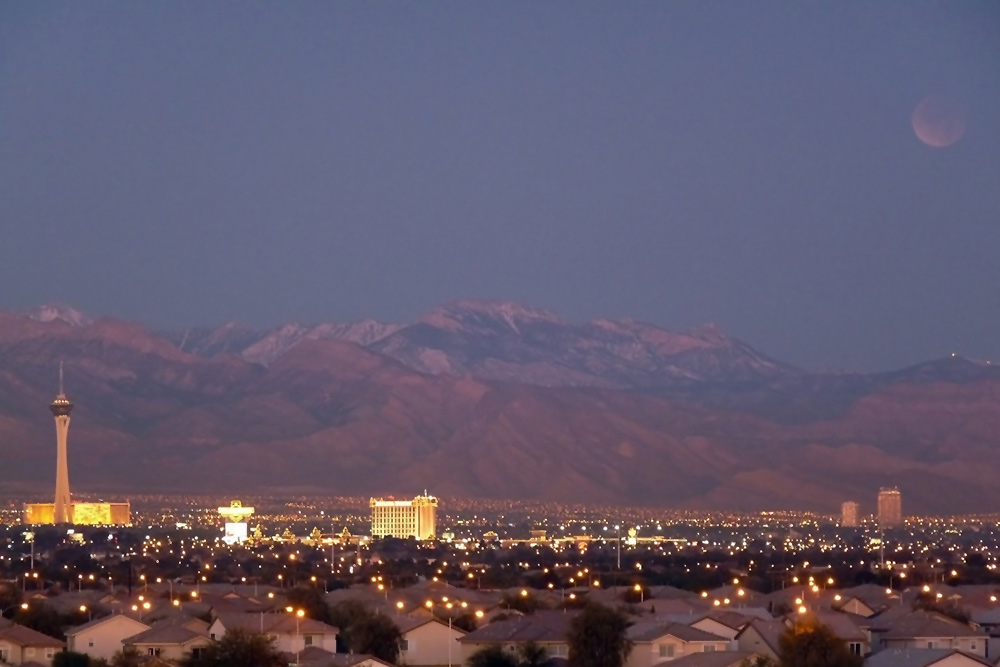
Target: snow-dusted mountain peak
(51, 312)
(460, 314)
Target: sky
(751, 165)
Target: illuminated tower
(61, 407)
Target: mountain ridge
(494, 401)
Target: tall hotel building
(849, 514)
(405, 518)
(890, 508)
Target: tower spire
(61, 407)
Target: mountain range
(493, 400)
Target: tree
(759, 661)
(43, 618)
(129, 656)
(948, 608)
(343, 615)
(10, 599)
(70, 659)
(311, 600)
(492, 655)
(524, 602)
(377, 635)
(467, 622)
(237, 648)
(808, 643)
(532, 654)
(597, 637)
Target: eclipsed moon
(939, 122)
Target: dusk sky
(749, 164)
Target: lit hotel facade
(890, 508)
(849, 514)
(405, 518)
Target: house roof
(670, 593)
(101, 621)
(990, 616)
(663, 606)
(171, 631)
(843, 625)
(769, 632)
(921, 624)
(310, 656)
(734, 619)
(539, 627)
(279, 623)
(349, 660)
(406, 623)
(733, 592)
(873, 595)
(917, 657)
(24, 636)
(647, 631)
(712, 659)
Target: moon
(938, 121)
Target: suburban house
(761, 637)
(921, 629)
(20, 645)
(548, 629)
(102, 637)
(317, 657)
(658, 641)
(427, 641)
(722, 623)
(291, 634)
(171, 639)
(851, 629)
(718, 659)
(924, 657)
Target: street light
(449, 636)
(638, 589)
(85, 610)
(298, 617)
(618, 534)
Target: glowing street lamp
(298, 644)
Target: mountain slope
(702, 421)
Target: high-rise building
(405, 518)
(64, 510)
(890, 508)
(849, 514)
